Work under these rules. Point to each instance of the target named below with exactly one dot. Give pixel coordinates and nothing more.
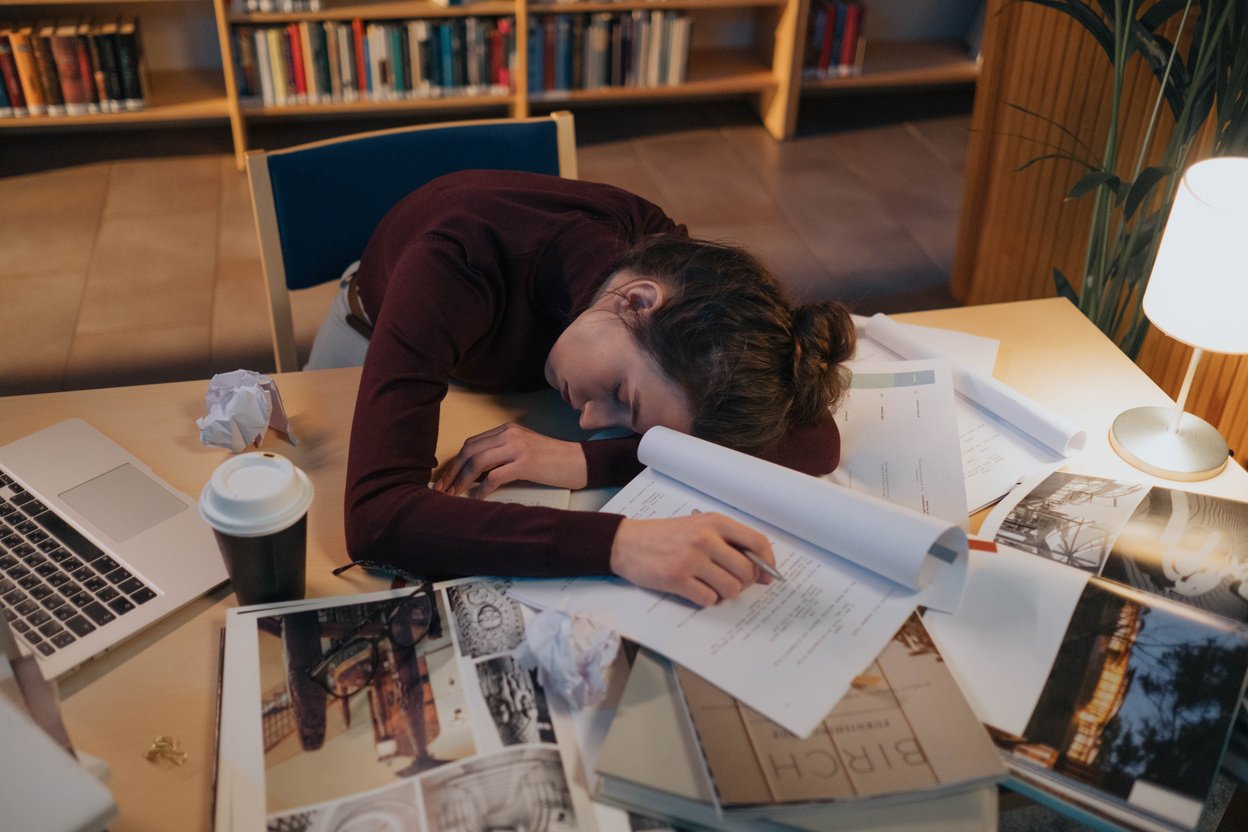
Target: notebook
(93, 545)
(42, 784)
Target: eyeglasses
(353, 661)
(376, 566)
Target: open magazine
(855, 568)
(1104, 644)
(400, 709)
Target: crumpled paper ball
(242, 405)
(571, 654)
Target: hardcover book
(904, 731)
(650, 763)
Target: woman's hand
(509, 453)
(696, 557)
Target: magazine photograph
(403, 708)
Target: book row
(311, 62)
(308, 62)
(70, 67)
(641, 48)
(834, 42)
(294, 6)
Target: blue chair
(316, 205)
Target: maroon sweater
(473, 277)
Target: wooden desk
(163, 681)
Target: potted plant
(1197, 51)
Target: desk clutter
(1086, 647)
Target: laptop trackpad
(123, 502)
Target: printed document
(1004, 435)
(855, 567)
(899, 437)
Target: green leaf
(1088, 18)
(1156, 51)
(1143, 186)
(1064, 289)
(1065, 157)
(1156, 15)
(1092, 181)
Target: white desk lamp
(1197, 294)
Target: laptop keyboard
(55, 585)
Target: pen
(763, 565)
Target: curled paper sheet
(571, 654)
(242, 405)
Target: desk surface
(163, 681)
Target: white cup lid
(255, 494)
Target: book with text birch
(903, 732)
(1102, 639)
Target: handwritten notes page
(790, 649)
(1004, 435)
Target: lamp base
(1142, 437)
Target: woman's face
(602, 373)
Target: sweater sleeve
(392, 515)
(813, 449)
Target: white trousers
(337, 344)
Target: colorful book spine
(9, 76)
(129, 62)
(20, 39)
(86, 66)
(62, 40)
(45, 66)
(850, 46)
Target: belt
(357, 319)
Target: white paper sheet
(974, 352)
(1002, 641)
(899, 437)
(1004, 434)
(789, 649)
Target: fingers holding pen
(699, 557)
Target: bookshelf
(738, 48)
(175, 96)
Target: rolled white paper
(1050, 429)
(904, 546)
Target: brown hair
(751, 363)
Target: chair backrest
(316, 205)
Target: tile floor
(131, 258)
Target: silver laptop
(93, 545)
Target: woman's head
(744, 362)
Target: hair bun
(823, 338)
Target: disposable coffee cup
(257, 506)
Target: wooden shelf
(711, 73)
(177, 97)
(662, 5)
(458, 102)
(100, 3)
(768, 71)
(905, 64)
(389, 10)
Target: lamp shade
(1198, 290)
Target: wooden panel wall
(1016, 225)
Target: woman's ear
(640, 296)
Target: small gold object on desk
(166, 750)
